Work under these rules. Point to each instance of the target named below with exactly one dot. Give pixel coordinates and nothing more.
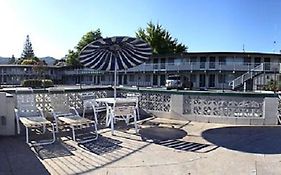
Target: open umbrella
(115, 53)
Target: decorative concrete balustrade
(212, 107)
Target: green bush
(36, 83)
(272, 85)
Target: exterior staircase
(239, 81)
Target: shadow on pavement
(57, 149)
(250, 139)
(169, 137)
(158, 134)
(16, 157)
(102, 145)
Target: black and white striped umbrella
(115, 53)
(127, 52)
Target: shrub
(272, 85)
(36, 83)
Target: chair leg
(73, 133)
(27, 135)
(138, 113)
(18, 125)
(44, 128)
(112, 124)
(84, 110)
(135, 122)
(43, 143)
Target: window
(163, 61)
(257, 60)
(212, 63)
(178, 61)
(170, 60)
(193, 78)
(131, 78)
(147, 78)
(222, 78)
(202, 62)
(193, 60)
(247, 60)
(102, 78)
(222, 60)
(155, 63)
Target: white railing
(246, 76)
(225, 66)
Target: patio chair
(136, 96)
(123, 110)
(31, 117)
(67, 116)
(89, 102)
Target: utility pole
(274, 46)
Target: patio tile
(206, 149)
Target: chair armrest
(75, 111)
(17, 113)
(41, 111)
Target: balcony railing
(190, 66)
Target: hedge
(36, 83)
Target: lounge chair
(31, 117)
(67, 116)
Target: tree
(28, 52)
(160, 39)
(72, 56)
(40, 68)
(12, 60)
(28, 62)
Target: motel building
(206, 70)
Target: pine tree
(27, 50)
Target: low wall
(212, 107)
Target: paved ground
(163, 147)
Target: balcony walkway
(206, 149)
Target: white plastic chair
(136, 97)
(67, 116)
(89, 102)
(123, 110)
(31, 117)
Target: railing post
(270, 109)
(176, 110)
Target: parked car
(178, 82)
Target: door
(202, 62)
(155, 80)
(257, 61)
(267, 63)
(120, 80)
(162, 64)
(212, 80)
(212, 63)
(202, 80)
(125, 80)
(162, 80)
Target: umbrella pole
(115, 78)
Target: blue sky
(55, 26)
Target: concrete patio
(198, 148)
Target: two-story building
(207, 70)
